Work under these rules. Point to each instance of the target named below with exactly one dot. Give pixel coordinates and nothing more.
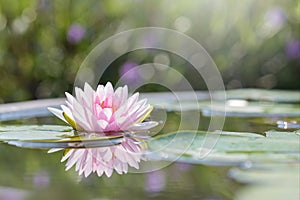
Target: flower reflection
(105, 160)
(155, 182)
(41, 179)
(183, 166)
(10, 193)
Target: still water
(35, 174)
(32, 174)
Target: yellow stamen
(66, 151)
(102, 104)
(146, 115)
(70, 121)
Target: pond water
(32, 174)
(255, 156)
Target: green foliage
(254, 43)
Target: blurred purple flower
(275, 17)
(213, 198)
(129, 72)
(9, 193)
(292, 49)
(155, 182)
(76, 33)
(183, 166)
(44, 5)
(41, 180)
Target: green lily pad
(276, 181)
(241, 102)
(240, 108)
(254, 109)
(230, 147)
(281, 96)
(15, 128)
(35, 132)
(50, 136)
(274, 192)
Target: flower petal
(57, 113)
(105, 110)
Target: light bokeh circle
(106, 52)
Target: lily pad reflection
(50, 136)
(90, 152)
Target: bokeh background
(42, 43)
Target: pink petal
(108, 155)
(70, 98)
(108, 171)
(103, 124)
(67, 111)
(89, 92)
(112, 127)
(108, 89)
(119, 153)
(100, 171)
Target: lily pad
(276, 181)
(281, 96)
(240, 108)
(35, 132)
(18, 128)
(231, 148)
(50, 136)
(67, 144)
(253, 109)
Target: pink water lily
(104, 110)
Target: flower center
(105, 109)
(106, 104)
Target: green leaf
(242, 103)
(253, 109)
(35, 132)
(229, 148)
(50, 136)
(281, 96)
(239, 108)
(268, 181)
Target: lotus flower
(104, 112)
